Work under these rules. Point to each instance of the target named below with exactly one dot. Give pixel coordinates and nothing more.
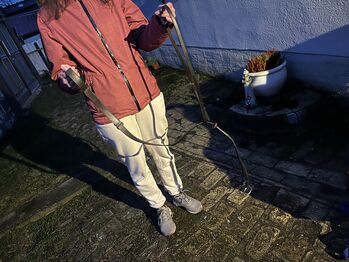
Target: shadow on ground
(51, 151)
(327, 126)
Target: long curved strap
(187, 63)
(99, 104)
(246, 186)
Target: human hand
(65, 79)
(162, 13)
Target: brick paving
(299, 206)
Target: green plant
(265, 61)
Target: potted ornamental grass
(267, 72)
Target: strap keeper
(118, 125)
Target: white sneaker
(192, 205)
(165, 221)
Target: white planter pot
(268, 83)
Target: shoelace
(165, 214)
(182, 196)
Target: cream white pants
(150, 125)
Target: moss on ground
(44, 240)
(48, 145)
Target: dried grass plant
(265, 61)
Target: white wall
(223, 34)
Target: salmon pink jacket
(72, 40)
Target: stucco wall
(221, 36)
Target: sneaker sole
(171, 233)
(197, 212)
(191, 212)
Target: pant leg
(153, 126)
(132, 154)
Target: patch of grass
(50, 143)
(45, 239)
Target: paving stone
(237, 259)
(100, 240)
(200, 140)
(294, 245)
(202, 171)
(302, 186)
(132, 215)
(197, 244)
(212, 179)
(233, 258)
(263, 194)
(213, 222)
(203, 131)
(108, 255)
(258, 247)
(304, 150)
(293, 168)
(229, 235)
(318, 254)
(316, 211)
(237, 197)
(263, 172)
(174, 136)
(218, 156)
(335, 179)
(124, 250)
(320, 155)
(212, 142)
(256, 202)
(279, 217)
(312, 256)
(188, 168)
(244, 153)
(290, 202)
(333, 196)
(336, 164)
(231, 180)
(188, 147)
(180, 161)
(242, 222)
(219, 250)
(273, 149)
(222, 210)
(264, 160)
(325, 227)
(213, 197)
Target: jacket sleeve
(146, 35)
(56, 54)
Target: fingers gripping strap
(99, 104)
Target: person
(71, 41)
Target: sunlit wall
(223, 34)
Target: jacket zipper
(111, 54)
(128, 86)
